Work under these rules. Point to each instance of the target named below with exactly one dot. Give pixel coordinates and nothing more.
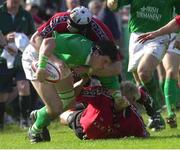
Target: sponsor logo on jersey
(98, 31)
(149, 12)
(95, 92)
(53, 23)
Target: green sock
(161, 85)
(178, 95)
(43, 120)
(160, 93)
(170, 92)
(152, 90)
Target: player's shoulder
(96, 20)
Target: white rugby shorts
(171, 47)
(156, 47)
(29, 56)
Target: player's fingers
(142, 37)
(143, 40)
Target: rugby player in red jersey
(101, 119)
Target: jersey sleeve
(111, 82)
(56, 22)
(177, 18)
(101, 31)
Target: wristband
(43, 60)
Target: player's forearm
(36, 40)
(79, 85)
(45, 52)
(167, 29)
(47, 47)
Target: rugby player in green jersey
(148, 16)
(66, 51)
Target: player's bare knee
(171, 72)
(144, 75)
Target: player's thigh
(147, 64)
(49, 96)
(171, 62)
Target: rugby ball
(53, 72)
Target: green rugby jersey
(150, 15)
(73, 49)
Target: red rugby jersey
(178, 19)
(99, 31)
(99, 120)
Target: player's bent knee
(171, 72)
(144, 76)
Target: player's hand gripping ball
(50, 74)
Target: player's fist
(112, 4)
(121, 104)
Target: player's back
(73, 49)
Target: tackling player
(100, 119)
(80, 21)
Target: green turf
(63, 138)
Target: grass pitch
(63, 138)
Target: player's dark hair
(108, 48)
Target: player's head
(103, 53)
(130, 91)
(79, 19)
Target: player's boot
(33, 116)
(171, 121)
(41, 136)
(146, 101)
(156, 123)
